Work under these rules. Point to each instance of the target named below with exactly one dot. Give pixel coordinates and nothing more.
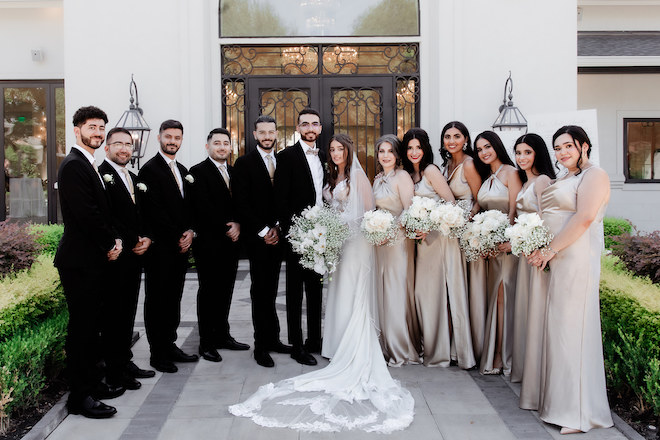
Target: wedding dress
(355, 391)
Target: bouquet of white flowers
(379, 227)
(484, 233)
(317, 235)
(528, 234)
(418, 216)
(451, 218)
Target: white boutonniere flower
(109, 178)
(190, 178)
(142, 187)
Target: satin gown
(400, 333)
(475, 271)
(441, 290)
(502, 269)
(573, 392)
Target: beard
(167, 147)
(263, 147)
(310, 136)
(91, 142)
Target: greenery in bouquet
(417, 218)
(451, 218)
(318, 235)
(528, 234)
(379, 227)
(484, 233)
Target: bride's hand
(421, 235)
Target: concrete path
(450, 403)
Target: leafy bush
(48, 236)
(640, 253)
(18, 249)
(615, 276)
(29, 296)
(612, 228)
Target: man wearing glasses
(126, 271)
(299, 178)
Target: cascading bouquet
(417, 218)
(528, 234)
(379, 227)
(484, 233)
(317, 235)
(450, 218)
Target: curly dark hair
(579, 137)
(83, 114)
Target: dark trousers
(165, 274)
(84, 290)
(265, 263)
(119, 315)
(216, 272)
(298, 277)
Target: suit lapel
(118, 180)
(300, 153)
(215, 173)
(168, 172)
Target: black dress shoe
(302, 357)
(313, 346)
(263, 358)
(127, 382)
(210, 354)
(177, 355)
(163, 365)
(232, 344)
(107, 391)
(278, 347)
(133, 370)
(91, 408)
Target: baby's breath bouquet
(528, 234)
(484, 233)
(317, 235)
(417, 218)
(379, 227)
(450, 218)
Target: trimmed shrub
(612, 228)
(18, 249)
(640, 253)
(48, 236)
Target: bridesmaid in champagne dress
(573, 393)
(464, 182)
(393, 191)
(440, 284)
(499, 190)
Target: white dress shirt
(317, 171)
(119, 169)
(263, 154)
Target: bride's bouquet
(528, 234)
(451, 218)
(417, 218)
(317, 235)
(484, 233)
(379, 227)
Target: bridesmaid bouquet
(451, 218)
(417, 218)
(318, 235)
(484, 233)
(528, 234)
(379, 227)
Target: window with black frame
(641, 145)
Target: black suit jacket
(165, 212)
(88, 232)
(294, 186)
(212, 206)
(254, 194)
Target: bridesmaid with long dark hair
(573, 393)
(501, 184)
(441, 298)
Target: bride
(355, 391)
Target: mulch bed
(22, 422)
(627, 407)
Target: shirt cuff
(263, 232)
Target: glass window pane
(60, 138)
(233, 98)
(643, 149)
(284, 105)
(269, 60)
(407, 95)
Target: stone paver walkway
(450, 403)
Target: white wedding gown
(355, 391)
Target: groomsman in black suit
(88, 244)
(255, 203)
(126, 271)
(166, 211)
(216, 246)
(299, 184)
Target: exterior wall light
(510, 118)
(133, 121)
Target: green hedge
(613, 227)
(48, 236)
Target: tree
(389, 17)
(247, 18)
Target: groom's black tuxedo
(167, 213)
(255, 206)
(216, 255)
(294, 190)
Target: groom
(298, 184)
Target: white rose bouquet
(484, 233)
(317, 235)
(379, 227)
(417, 218)
(528, 234)
(451, 218)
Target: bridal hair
(467, 148)
(425, 145)
(542, 163)
(333, 169)
(396, 147)
(579, 137)
(495, 141)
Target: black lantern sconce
(133, 121)
(510, 118)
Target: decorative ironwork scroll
(284, 105)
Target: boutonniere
(109, 178)
(327, 168)
(190, 178)
(142, 187)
